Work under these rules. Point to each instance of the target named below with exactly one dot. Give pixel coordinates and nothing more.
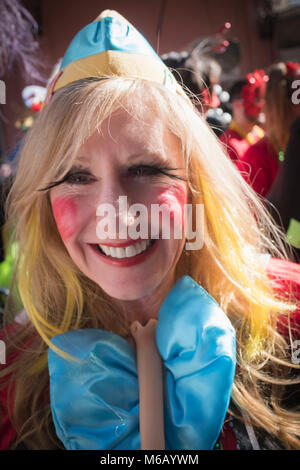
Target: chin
(128, 290)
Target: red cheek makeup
(175, 197)
(65, 212)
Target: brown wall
(183, 21)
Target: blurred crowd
(257, 119)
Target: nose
(113, 205)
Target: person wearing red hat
(246, 97)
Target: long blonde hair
(237, 231)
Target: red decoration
(253, 92)
(292, 67)
(210, 100)
(220, 48)
(36, 107)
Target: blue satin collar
(95, 401)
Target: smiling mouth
(130, 251)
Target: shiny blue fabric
(94, 401)
(108, 34)
(197, 344)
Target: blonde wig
(58, 297)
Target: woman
(264, 160)
(134, 135)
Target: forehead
(130, 132)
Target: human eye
(154, 170)
(144, 170)
(79, 177)
(75, 177)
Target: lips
(135, 257)
(127, 251)
(124, 243)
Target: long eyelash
(163, 170)
(56, 183)
(65, 178)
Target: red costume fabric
(236, 145)
(259, 166)
(285, 279)
(237, 142)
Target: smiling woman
(116, 165)
(150, 324)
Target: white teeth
(119, 253)
(143, 245)
(130, 251)
(127, 252)
(105, 249)
(138, 248)
(113, 252)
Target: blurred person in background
(197, 68)
(285, 193)
(246, 98)
(262, 161)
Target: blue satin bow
(95, 401)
